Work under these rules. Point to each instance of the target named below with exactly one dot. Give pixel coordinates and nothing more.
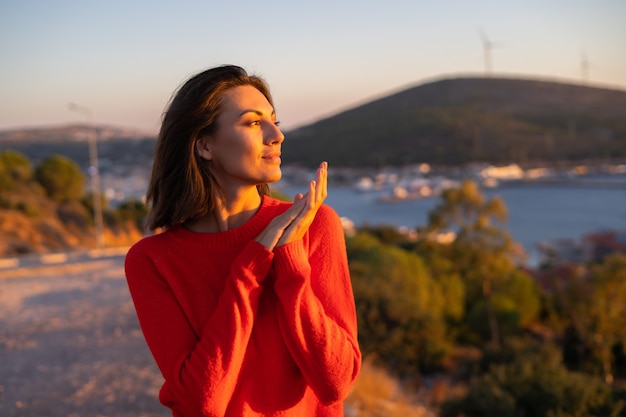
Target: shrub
(534, 384)
(73, 213)
(505, 313)
(61, 178)
(30, 209)
(400, 307)
(15, 168)
(133, 210)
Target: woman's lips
(273, 157)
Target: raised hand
(294, 223)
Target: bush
(61, 178)
(74, 214)
(30, 209)
(400, 307)
(133, 210)
(17, 165)
(5, 203)
(108, 217)
(534, 384)
(15, 168)
(505, 313)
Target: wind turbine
(487, 49)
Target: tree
(597, 310)
(400, 307)
(61, 178)
(14, 168)
(484, 254)
(133, 210)
(444, 270)
(525, 294)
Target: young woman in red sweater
(245, 301)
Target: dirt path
(70, 345)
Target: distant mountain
(120, 146)
(446, 122)
(456, 121)
(78, 132)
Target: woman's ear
(203, 148)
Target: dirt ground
(70, 344)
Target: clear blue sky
(124, 58)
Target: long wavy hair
(182, 186)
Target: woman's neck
(231, 212)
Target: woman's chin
(274, 175)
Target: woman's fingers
(322, 182)
(317, 188)
(295, 221)
(320, 186)
(270, 236)
(315, 197)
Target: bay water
(536, 212)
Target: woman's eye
(254, 123)
(276, 122)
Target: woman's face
(245, 148)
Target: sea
(536, 211)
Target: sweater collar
(244, 233)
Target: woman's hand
(293, 223)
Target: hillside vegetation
(45, 209)
(465, 317)
(456, 121)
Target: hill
(445, 122)
(70, 133)
(456, 121)
(118, 146)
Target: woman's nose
(274, 134)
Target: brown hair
(182, 187)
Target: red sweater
(239, 330)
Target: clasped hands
(295, 221)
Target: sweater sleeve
(317, 314)
(200, 371)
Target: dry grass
(378, 394)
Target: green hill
(455, 121)
(446, 122)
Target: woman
(244, 301)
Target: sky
(123, 59)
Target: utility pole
(584, 67)
(93, 171)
